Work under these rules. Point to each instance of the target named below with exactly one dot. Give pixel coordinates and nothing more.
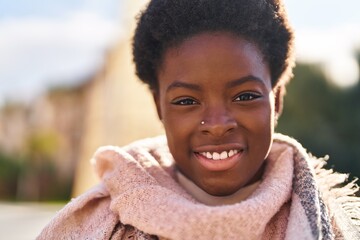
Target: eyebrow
(245, 79)
(178, 84)
(234, 83)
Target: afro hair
(166, 23)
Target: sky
(50, 43)
(328, 32)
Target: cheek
(178, 132)
(266, 113)
(259, 124)
(179, 129)
(261, 119)
(265, 127)
(260, 128)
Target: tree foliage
(324, 118)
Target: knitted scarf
(140, 196)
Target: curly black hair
(166, 23)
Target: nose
(218, 121)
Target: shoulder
(120, 162)
(87, 215)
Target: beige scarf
(140, 180)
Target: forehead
(218, 40)
(217, 55)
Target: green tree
(38, 168)
(324, 118)
(9, 171)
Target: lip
(222, 164)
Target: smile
(219, 156)
(220, 160)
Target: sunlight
(343, 71)
(333, 48)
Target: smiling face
(217, 105)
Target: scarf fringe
(332, 185)
(335, 185)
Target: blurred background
(67, 86)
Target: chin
(220, 191)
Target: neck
(212, 200)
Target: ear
(279, 99)
(156, 98)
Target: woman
(217, 71)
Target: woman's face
(217, 105)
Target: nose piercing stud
(202, 122)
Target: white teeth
(218, 156)
(231, 153)
(223, 155)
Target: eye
(247, 96)
(184, 101)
